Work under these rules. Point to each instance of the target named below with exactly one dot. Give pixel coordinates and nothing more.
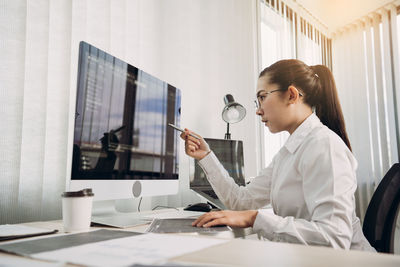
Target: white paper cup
(77, 210)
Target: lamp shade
(233, 112)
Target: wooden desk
(242, 252)
(245, 252)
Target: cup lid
(87, 192)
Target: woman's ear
(294, 94)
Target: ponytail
(327, 105)
(319, 89)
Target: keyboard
(182, 226)
(119, 221)
(174, 214)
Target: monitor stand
(105, 213)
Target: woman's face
(273, 108)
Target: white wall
(205, 48)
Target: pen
(181, 130)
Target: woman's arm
(253, 196)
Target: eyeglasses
(261, 97)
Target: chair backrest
(380, 219)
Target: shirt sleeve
(328, 184)
(253, 196)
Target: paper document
(13, 231)
(141, 249)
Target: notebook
(15, 231)
(230, 154)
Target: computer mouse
(199, 207)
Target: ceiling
(337, 13)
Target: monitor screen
(121, 119)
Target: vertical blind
(288, 31)
(34, 108)
(366, 68)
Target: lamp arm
(227, 135)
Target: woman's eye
(262, 97)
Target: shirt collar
(298, 136)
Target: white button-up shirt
(310, 185)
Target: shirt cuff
(266, 223)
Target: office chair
(380, 219)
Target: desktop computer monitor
(122, 146)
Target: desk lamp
(233, 112)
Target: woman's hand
(241, 219)
(195, 148)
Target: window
(284, 35)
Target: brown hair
(317, 84)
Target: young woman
(312, 179)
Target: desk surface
(247, 252)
